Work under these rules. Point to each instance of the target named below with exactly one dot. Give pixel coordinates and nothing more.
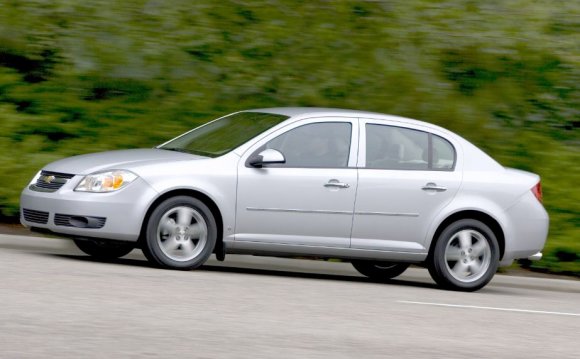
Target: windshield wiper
(191, 152)
(175, 149)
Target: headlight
(106, 181)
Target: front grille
(68, 220)
(33, 216)
(50, 181)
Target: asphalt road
(56, 302)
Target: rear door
(406, 176)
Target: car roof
(305, 112)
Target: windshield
(221, 136)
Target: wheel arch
(208, 201)
(483, 217)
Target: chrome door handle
(433, 187)
(336, 184)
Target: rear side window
(398, 148)
(443, 154)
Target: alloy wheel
(182, 233)
(467, 255)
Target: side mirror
(266, 157)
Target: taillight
(537, 191)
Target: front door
(309, 199)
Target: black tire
(380, 271)
(103, 249)
(154, 241)
(473, 265)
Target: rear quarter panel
(505, 195)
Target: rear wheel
(380, 271)
(465, 257)
(181, 233)
(104, 249)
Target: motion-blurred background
(85, 76)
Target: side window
(443, 154)
(396, 148)
(323, 144)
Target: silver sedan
(380, 191)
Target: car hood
(124, 159)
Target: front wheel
(380, 271)
(181, 234)
(104, 249)
(465, 257)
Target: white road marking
(490, 308)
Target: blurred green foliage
(86, 76)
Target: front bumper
(124, 210)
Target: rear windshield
(221, 136)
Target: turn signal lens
(117, 181)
